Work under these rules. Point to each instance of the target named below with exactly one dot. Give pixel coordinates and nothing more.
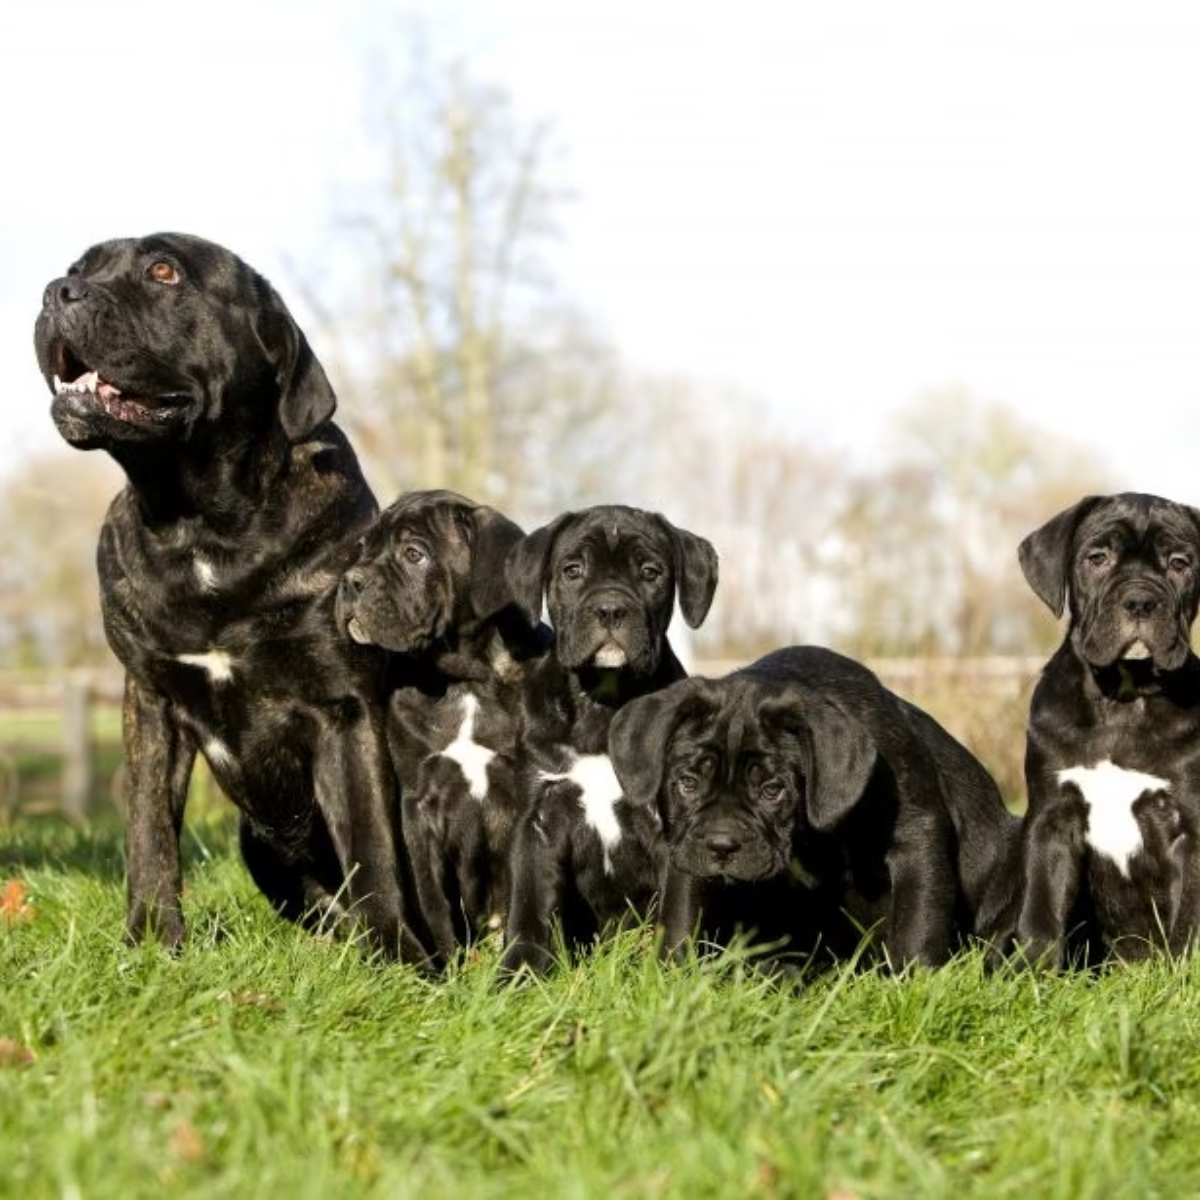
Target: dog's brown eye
(164, 272)
(687, 785)
(1179, 563)
(650, 572)
(572, 570)
(414, 555)
(1097, 558)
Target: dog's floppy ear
(695, 572)
(639, 733)
(843, 753)
(306, 397)
(526, 565)
(493, 536)
(1045, 555)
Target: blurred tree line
(460, 362)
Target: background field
(264, 1062)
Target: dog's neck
(221, 482)
(490, 647)
(1128, 680)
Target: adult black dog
(609, 576)
(429, 587)
(1112, 764)
(803, 803)
(219, 565)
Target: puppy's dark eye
(772, 791)
(1178, 563)
(572, 570)
(687, 786)
(651, 571)
(414, 555)
(1097, 558)
(164, 272)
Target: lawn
(263, 1062)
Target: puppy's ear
(493, 536)
(306, 398)
(1045, 555)
(695, 572)
(639, 733)
(843, 753)
(526, 565)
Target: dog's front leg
(357, 793)
(920, 924)
(680, 909)
(158, 765)
(538, 883)
(1185, 925)
(1052, 855)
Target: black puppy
(609, 576)
(219, 565)
(429, 586)
(803, 803)
(1112, 763)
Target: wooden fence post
(78, 769)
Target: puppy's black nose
(352, 584)
(68, 290)
(723, 844)
(1140, 605)
(610, 613)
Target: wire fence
(60, 733)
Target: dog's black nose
(1140, 605)
(723, 844)
(352, 583)
(610, 613)
(68, 290)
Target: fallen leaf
(14, 903)
(186, 1144)
(13, 1054)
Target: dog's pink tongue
(106, 391)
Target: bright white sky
(839, 206)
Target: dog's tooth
(59, 386)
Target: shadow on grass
(97, 847)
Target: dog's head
(432, 563)
(609, 576)
(1128, 568)
(736, 766)
(167, 338)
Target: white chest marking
(218, 754)
(599, 791)
(1109, 792)
(206, 574)
(217, 663)
(471, 757)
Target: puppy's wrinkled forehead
(1133, 522)
(613, 538)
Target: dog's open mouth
(75, 379)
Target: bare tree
(929, 541)
(461, 362)
(49, 595)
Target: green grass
(264, 1062)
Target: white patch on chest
(1109, 792)
(217, 663)
(599, 791)
(471, 757)
(219, 756)
(206, 574)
